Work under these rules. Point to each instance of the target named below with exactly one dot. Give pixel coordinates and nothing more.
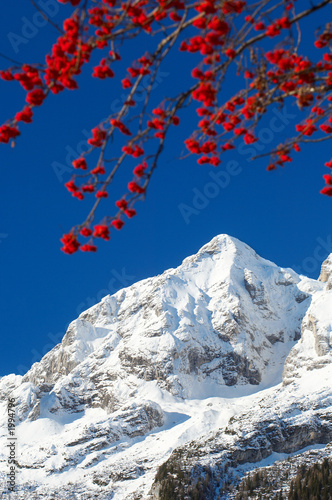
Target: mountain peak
(223, 243)
(215, 321)
(227, 342)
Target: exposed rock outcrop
(225, 360)
(326, 272)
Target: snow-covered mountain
(216, 367)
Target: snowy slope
(170, 361)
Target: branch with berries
(219, 36)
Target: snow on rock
(211, 320)
(172, 359)
(326, 272)
(314, 350)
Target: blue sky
(280, 214)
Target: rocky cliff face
(313, 351)
(213, 353)
(326, 272)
